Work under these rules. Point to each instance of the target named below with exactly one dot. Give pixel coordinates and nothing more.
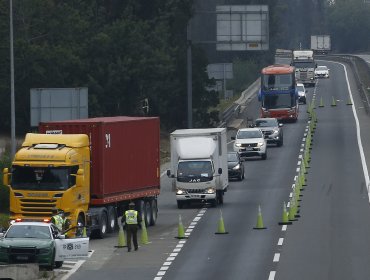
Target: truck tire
(154, 212)
(147, 213)
(112, 219)
(220, 197)
(180, 204)
(80, 224)
(103, 224)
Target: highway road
(329, 240)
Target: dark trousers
(131, 232)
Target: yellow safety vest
(58, 222)
(131, 217)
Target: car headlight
(276, 131)
(210, 190)
(238, 145)
(44, 251)
(260, 144)
(180, 191)
(236, 167)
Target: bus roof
(278, 69)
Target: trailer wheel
(112, 219)
(103, 224)
(154, 212)
(147, 213)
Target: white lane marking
(73, 270)
(276, 257)
(280, 242)
(166, 265)
(272, 275)
(358, 129)
(284, 227)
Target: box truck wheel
(180, 204)
(112, 219)
(154, 212)
(220, 197)
(103, 224)
(80, 224)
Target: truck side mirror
(220, 171)
(80, 177)
(6, 177)
(232, 138)
(168, 173)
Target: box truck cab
(199, 165)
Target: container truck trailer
(89, 168)
(320, 44)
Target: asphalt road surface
(329, 240)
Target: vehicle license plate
(195, 195)
(23, 258)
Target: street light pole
(189, 77)
(12, 101)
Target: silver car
(250, 142)
(272, 129)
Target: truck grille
(22, 254)
(37, 207)
(195, 191)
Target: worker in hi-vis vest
(131, 221)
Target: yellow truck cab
(48, 172)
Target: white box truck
(199, 165)
(320, 44)
(304, 63)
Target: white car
(322, 72)
(301, 93)
(250, 142)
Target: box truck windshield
(199, 170)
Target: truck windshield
(43, 178)
(276, 101)
(195, 169)
(277, 82)
(304, 64)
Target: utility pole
(189, 77)
(12, 99)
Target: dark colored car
(235, 166)
(272, 130)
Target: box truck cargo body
(199, 165)
(321, 44)
(112, 161)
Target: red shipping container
(125, 161)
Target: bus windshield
(304, 64)
(276, 101)
(277, 82)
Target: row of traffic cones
(334, 102)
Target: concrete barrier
(20, 271)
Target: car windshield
(245, 134)
(28, 231)
(300, 88)
(43, 178)
(266, 123)
(232, 157)
(322, 68)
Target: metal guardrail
(234, 109)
